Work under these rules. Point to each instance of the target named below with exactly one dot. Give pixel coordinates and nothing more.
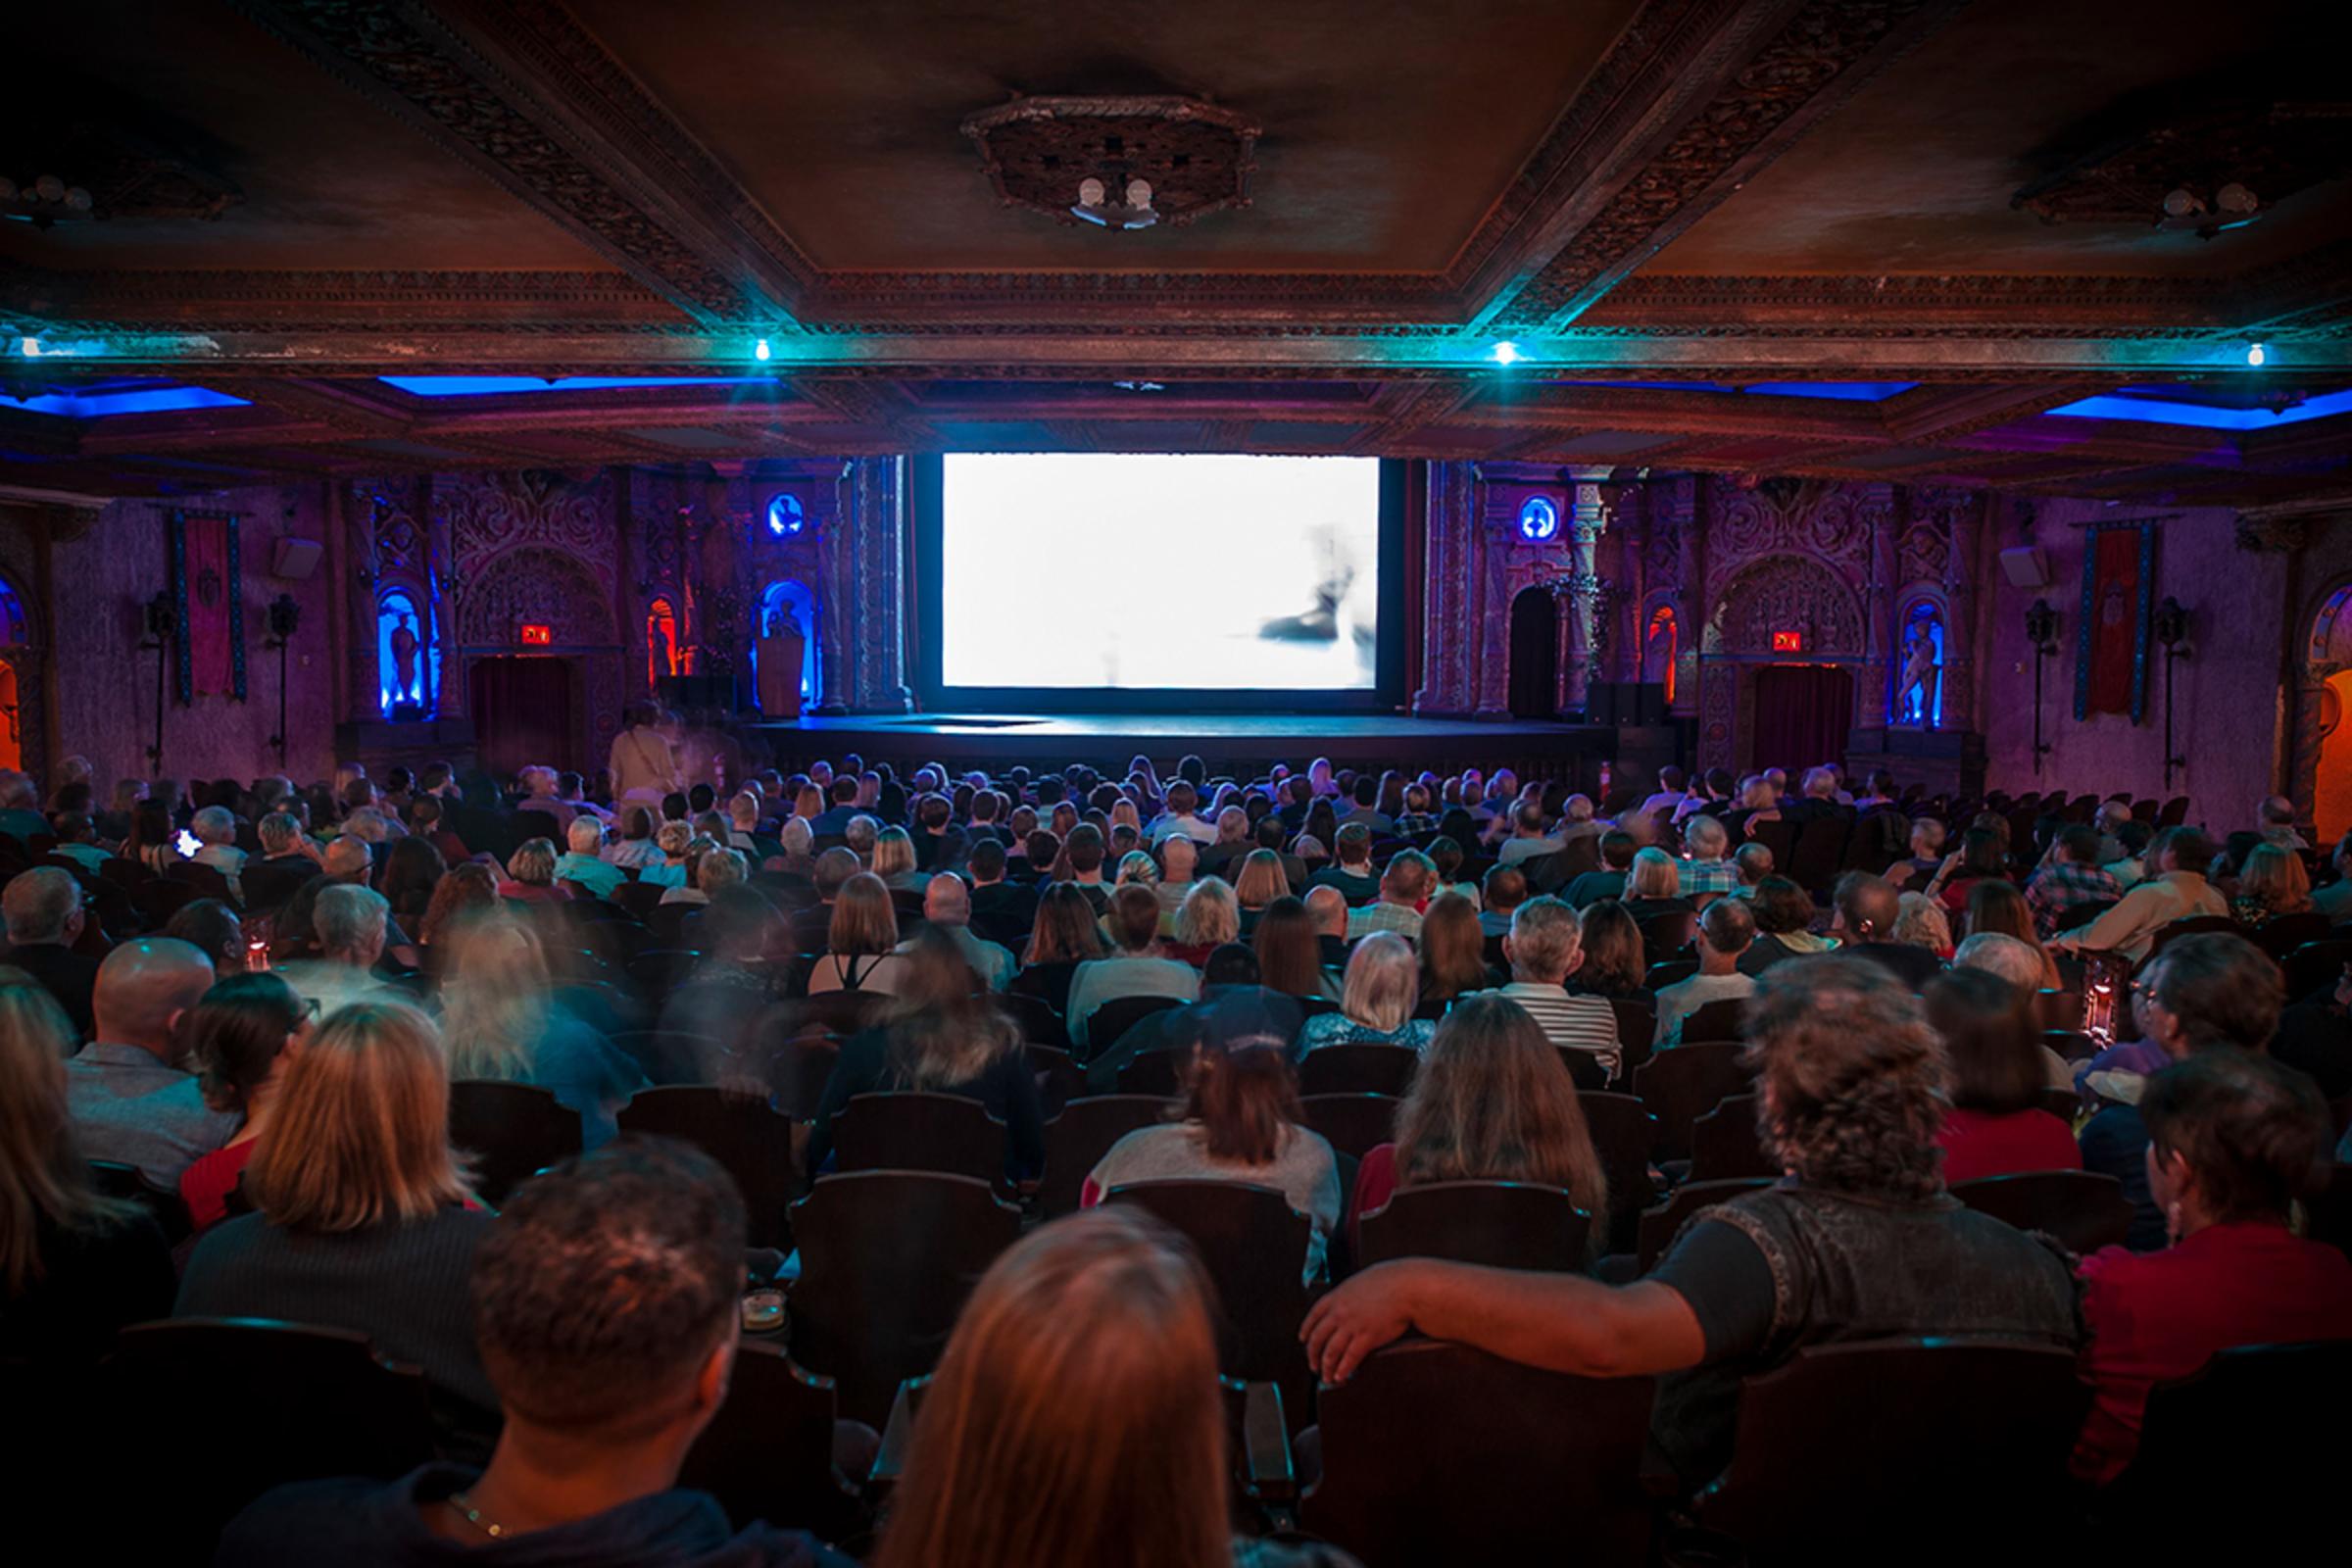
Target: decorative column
(1453, 604)
(1587, 519)
(1678, 504)
(1966, 513)
(1885, 513)
(863, 654)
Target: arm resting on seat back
(1561, 1322)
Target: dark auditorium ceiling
(1758, 236)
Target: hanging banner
(2119, 590)
(208, 592)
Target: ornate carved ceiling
(1694, 192)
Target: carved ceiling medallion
(1185, 157)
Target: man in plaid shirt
(1402, 888)
(2068, 878)
(1710, 868)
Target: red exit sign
(537, 636)
(1788, 641)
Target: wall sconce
(2042, 630)
(2171, 626)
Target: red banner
(211, 586)
(2115, 607)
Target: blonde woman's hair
(1384, 983)
(1493, 1103)
(1653, 876)
(671, 837)
(494, 998)
(1262, 879)
(894, 852)
(1209, 915)
(360, 1133)
(1921, 922)
(1102, 1441)
(43, 1178)
(533, 863)
(864, 922)
(2275, 876)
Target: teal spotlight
(29, 346)
(759, 350)
(2257, 354)
(1508, 351)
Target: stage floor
(1229, 742)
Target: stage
(1238, 744)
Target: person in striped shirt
(1545, 946)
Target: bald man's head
(947, 901)
(1868, 905)
(1328, 907)
(144, 986)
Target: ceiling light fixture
(1134, 213)
(2257, 354)
(29, 346)
(1508, 351)
(1116, 162)
(759, 350)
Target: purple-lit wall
(106, 687)
(2228, 711)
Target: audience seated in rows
(1726, 928)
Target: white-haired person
(352, 924)
(584, 863)
(1710, 870)
(1209, 917)
(1545, 946)
(216, 832)
(1378, 996)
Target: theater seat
(1496, 1224)
(742, 1134)
(1725, 1145)
(1362, 1069)
(1439, 1454)
(514, 1130)
(2258, 1433)
(2082, 1209)
(1682, 1085)
(1077, 1139)
(1662, 1224)
(1622, 1135)
(1354, 1124)
(768, 1454)
(909, 1130)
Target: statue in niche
(1918, 693)
(404, 656)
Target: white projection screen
(1135, 571)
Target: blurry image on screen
(1216, 572)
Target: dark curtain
(522, 710)
(1535, 655)
(1803, 712)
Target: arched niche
(787, 612)
(15, 681)
(407, 654)
(540, 586)
(2320, 784)
(1782, 609)
(1535, 657)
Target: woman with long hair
(2270, 882)
(1616, 960)
(1063, 936)
(413, 872)
(1290, 953)
(1240, 1122)
(1492, 1103)
(1996, 906)
(1982, 857)
(1102, 1442)
(1322, 822)
(1992, 1043)
(1378, 998)
(75, 1266)
(468, 889)
(1260, 881)
(151, 842)
(940, 1036)
(1454, 951)
(241, 1034)
(504, 1022)
(361, 1217)
(859, 951)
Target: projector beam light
(2257, 354)
(759, 350)
(1506, 352)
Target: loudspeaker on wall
(2026, 567)
(294, 558)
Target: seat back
(841, 1012)
(281, 1402)
(2194, 1437)
(2075, 916)
(1113, 1018)
(1660, 1225)
(1682, 1085)
(887, 1258)
(1499, 1224)
(1532, 1467)
(1033, 1016)
(169, 1210)
(513, 1131)
(1667, 936)
(767, 1454)
(2315, 965)
(1060, 1078)
(1077, 1139)
(1354, 1124)
(1861, 1445)
(2195, 925)
(907, 1130)
(1158, 1073)
(2082, 1209)
(1622, 1134)
(1636, 1027)
(2328, 1214)
(744, 1135)
(1253, 1248)
(1819, 848)
(2282, 934)
(1724, 1144)
(1362, 1069)
(1671, 972)
(1715, 1022)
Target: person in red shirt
(2233, 1138)
(1996, 1126)
(239, 1034)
